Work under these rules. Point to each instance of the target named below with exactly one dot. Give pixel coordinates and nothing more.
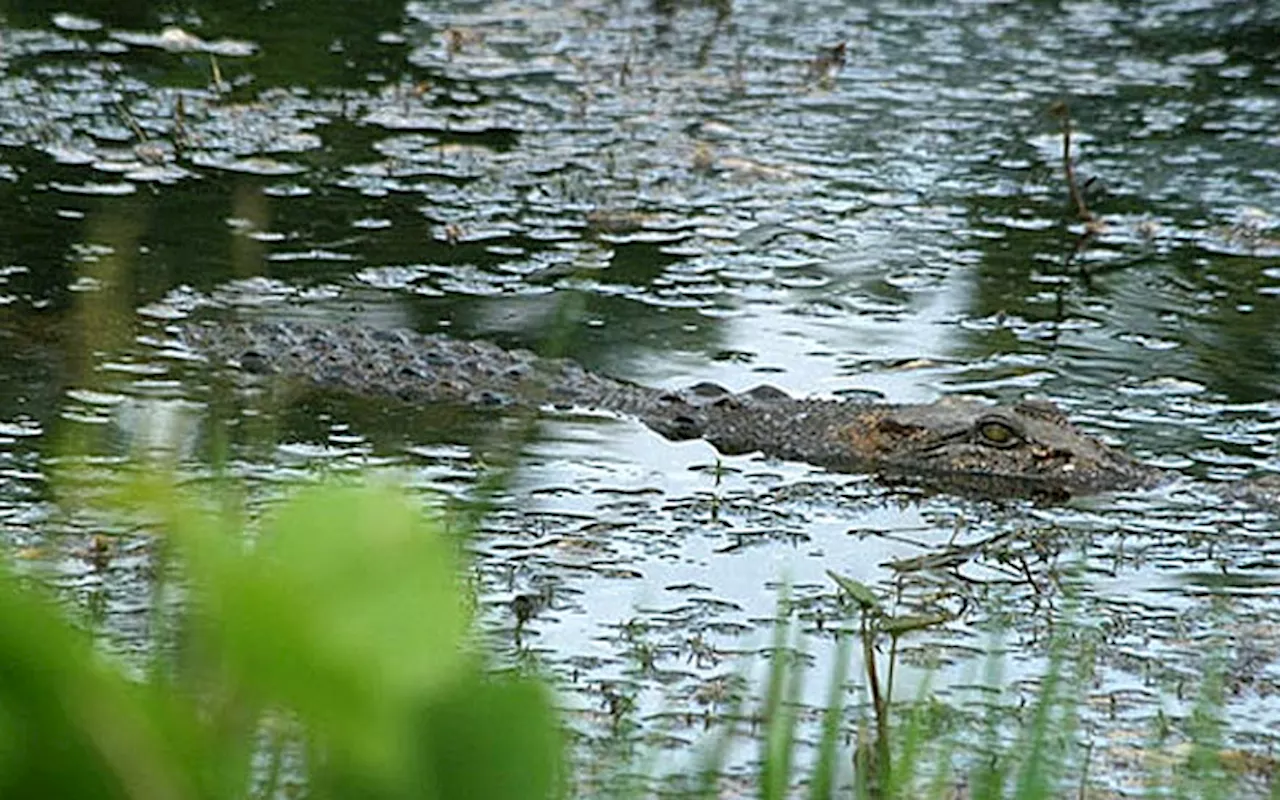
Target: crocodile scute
(1027, 448)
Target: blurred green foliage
(326, 643)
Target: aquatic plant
(327, 648)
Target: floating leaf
(897, 626)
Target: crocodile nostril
(254, 362)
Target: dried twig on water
(1092, 225)
(1063, 114)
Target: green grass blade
(779, 720)
(822, 784)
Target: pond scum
(327, 649)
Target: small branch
(878, 704)
(1092, 225)
(218, 83)
(1084, 774)
(1063, 114)
(180, 135)
(893, 663)
(132, 122)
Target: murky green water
(670, 193)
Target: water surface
(669, 193)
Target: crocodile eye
(998, 433)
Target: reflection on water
(670, 193)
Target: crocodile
(1027, 448)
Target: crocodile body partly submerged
(1027, 448)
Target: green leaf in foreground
(345, 609)
(72, 726)
(335, 626)
(494, 738)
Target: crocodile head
(954, 444)
(1027, 448)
